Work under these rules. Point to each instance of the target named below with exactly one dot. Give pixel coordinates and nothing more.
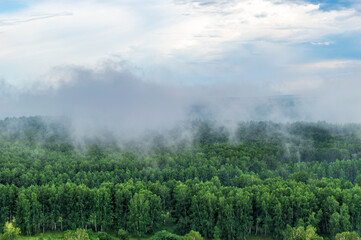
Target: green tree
(23, 213)
(193, 235)
(204, 206)
(347, 236)
(345, 218)
(183, 202)
(358, 180)
(311, 233)
(217, 233)
(331, 207)
(10, 232)
(144, 212)
(300, 233)
(35, 211)
(335, 223)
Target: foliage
(217, 233)
(300, 233)
(165, 235)
(79, 234)
(122, 234)
(193, 235)
(10, 232)
(347, 236)
(266, 177)
(104, 236)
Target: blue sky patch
(345, 46)
(328, 5)
(10, 6)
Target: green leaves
(10, 232)
(300, 233)
(122, 234)
(79, 234)
(144, 212)
(271, 176)
(165, 235)
(193, 235)
(347, 236)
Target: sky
(231, 48)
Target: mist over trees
(260, 178)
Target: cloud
(321, 43)
(329, 65)
(158, 35)
(112, 98)
(10, 21)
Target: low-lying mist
(115, 101)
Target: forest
(299, 180)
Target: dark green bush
(104, 236)
(165, 235)
(123, 235)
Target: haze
(139, 65)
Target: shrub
(10, 232)
(165, 235)
(80, 234)
(104, 236)
(193, 235)
(123, 235)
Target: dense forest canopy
(258, 178)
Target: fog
(112, 99)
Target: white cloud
(321, 43)
(327, 65)
(149, 33)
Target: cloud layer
(184, 40)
